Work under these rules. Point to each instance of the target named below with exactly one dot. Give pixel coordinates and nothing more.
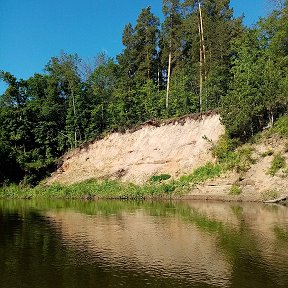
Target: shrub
(235, 190)
(269, 152)
(278, 162)
(209, 171)
(159, 178)
(239, 159)
(270, 194)
(243, 159)
(224, 148)
(281, 126)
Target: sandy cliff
(172, 147)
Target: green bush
(281, 126)
(243, 159)
(269, 152)
(159, 178)
(208, 171)
(278, 162)
(224, 148)
(229, 158)
(235, 190)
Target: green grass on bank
(278, 163)
(112, 189)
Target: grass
(235, 190)
(112, 189)
(203, 173)
(159, 178)
(269, 152)
(278, 163)
(281, 127)
(270, 195)
(90, 189)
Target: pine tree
(146, 38)
(171, 42)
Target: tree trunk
(168, 78)
(158, 79)
(202, 31)
(202, 56)
(147, 59)
(74, 112)
(202, 38)
(271, 118)
(200, 71)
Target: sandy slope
(256, 183)
(174, 147)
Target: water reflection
(139, 244)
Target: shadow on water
(36, 249)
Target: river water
(142, 244)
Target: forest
(199, 58)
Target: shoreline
(283, 200)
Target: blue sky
(32, 31)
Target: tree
(258, 91)
(146, 42)
(170, 40)
(210, 29)
(101, 86)
(15, 93)
(126, 59)
(242, 105)
(65, 71)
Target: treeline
(200, 58)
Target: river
(142, 244)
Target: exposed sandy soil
(172, 147)
(175, 147)
(256, 184)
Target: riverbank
(256, 171)
(156, 187)
(231, 179)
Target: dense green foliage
(199, 58)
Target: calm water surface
(142, 244)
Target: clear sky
(32, 31)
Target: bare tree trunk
(202, 56)
(271, 118)
(168, 77)
(147, 60)
(202, 34)
(158, 79)
(74, 112)
(200, 72)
